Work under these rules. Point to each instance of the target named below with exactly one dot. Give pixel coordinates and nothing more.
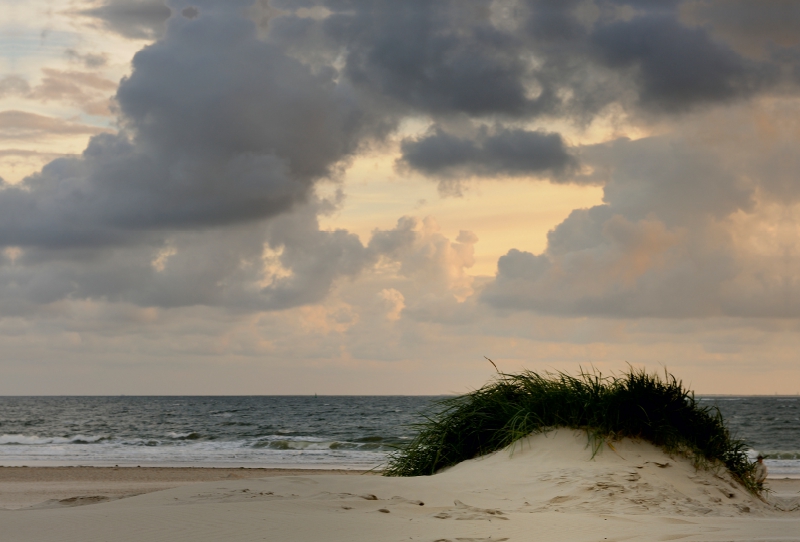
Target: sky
(373, 197)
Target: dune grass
(635, 404)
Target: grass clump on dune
(635, 404)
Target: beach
(42, 487)
(548, 487)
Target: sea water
(258, 431)
(770, 425)
(288, 431)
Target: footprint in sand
(562, 498)
(80, 501)
(76, 501)
(239, 495)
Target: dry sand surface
(54, 487)
(546, 488)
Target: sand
(546, 488)
(53, 487)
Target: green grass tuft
(635, 404)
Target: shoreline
(186, 465)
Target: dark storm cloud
(138, 19)
(527, 59)
(678, 67)
(220, 132)
(501, 152)
(506, 64)
(439, 58)
(219, 128)
(790, 58)
(435, 56)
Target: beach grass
(635, 404)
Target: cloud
(136, 19)
(528, 59)
(430, 270)
(316, 259)
(750, 26)
(395, 303)
(26, 152)
(19, 125)
(645, 270)
(515, 65)
(87, 90)
(502, 151)
(218, 128)
(437, 57)
(683, 233)
(670, 177)
(632, 269)
(679, 67)
(89, 60)
(220, 133)
(11, 85)
(270, 265)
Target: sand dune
(546, 488)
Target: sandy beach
(547, 488)
(48, 487)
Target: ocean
(288, 431)
(769, 424)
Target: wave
(370, 439)
(192, 435)
(199, 440)
(367, 444)
(33, 440)
(182, 453)
(778, 454)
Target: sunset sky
(368, 197)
